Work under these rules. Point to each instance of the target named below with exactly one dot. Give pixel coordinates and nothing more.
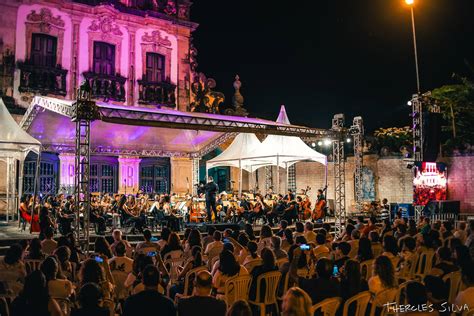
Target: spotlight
(313, 144)
(348, 140)
(409, 103)
(320, 143)
(327, 142)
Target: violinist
(269, 194)
(96, 217)
(289, 196)
(257, 209)
(291, 210)
(277, 210)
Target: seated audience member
(56, 287)
(371, 226)
(215, 246)
(466, 296)
(147, 243)
(416, 296)
(461, 232)
(13, 269)
(390, 249)
(90, 298)
(102, 247)
(365, 250)
(239, 308)
(120, 262)
(149, 301)
(228, 267)
(296, 302)
(48, 245)
(299, 230)
(194, 262)
(193, 240)
(354, 242)
(201, 302)
(360, 224)
(265, 238)
(34, 298)
(34, 250)
(98, 273)
(321, 287)
(173, 246)
(248, 229)
(276, 247)
(321, 247)
(342, 253)
(436, 291)
(117, 235)
(443, 265)
(268, 265)
(67, 268)
(462, 257)
(283, 225)
(165, 234)
(407, 255)
(287, 239)
(309, 234)
(377, 248)
(209, 238)
(383, 275)
(252, 252)
(243, 241)
(351, 279)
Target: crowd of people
(190, 275)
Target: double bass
(318, 212)
(306, 204)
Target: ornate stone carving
(156, 38)
(205, 100)
(45, 19)
(106, 25)
(238, 99)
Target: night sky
(321, 57)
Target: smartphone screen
(335, 271)
(99, 259)
(154, 239)
(226, 240)
(304, 247)
(151, 254)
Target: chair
(271, 286)
(453, 281)
(172, 263)
(381, 298)
(110, 305)
(361, 300)
(64, 305)
(214, 252)
(187, 291)
(366, 269)
(146, 250)
(121, 292)
(400, 298)
(281, 262)
(252, 264)
(327, 307)
(32, 265)
(423, 264)
(237, 288)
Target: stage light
(327, 142)
(348, 140)
(313, 144)
(320, 143)
(409, 103)
(410, 2)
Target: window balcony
(156, 93)
(106, 87)
(42, 80)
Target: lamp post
(411, 4)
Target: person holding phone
(120, 262)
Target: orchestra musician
(277, 211)
(131, 215)
(291, 211)
(319, 212)
(95, 216)
(257, 209)
(211, 189)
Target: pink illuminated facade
(132, 53)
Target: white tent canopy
(247, 153)
(15, 144)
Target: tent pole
(9, 163)
(287, 176)
(240, 177)
(20, 187)
(35, 189)
(278, 175)
(326, 175)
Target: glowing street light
(410, 2)
(348, 140)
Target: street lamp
(411, 3)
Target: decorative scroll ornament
(156, 38)
(238, 99)
(205, 100)
(106, 25)
(45, 19)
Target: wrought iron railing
(160, 93)
(42, 80)
(106, 87)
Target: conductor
(211, 190)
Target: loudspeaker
(431, 135)
(224, 226)
(442, 207)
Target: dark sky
(321, 57)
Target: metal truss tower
(268, 178)
(195, 175)
(85, 111)
(339, 173)
(357, 132)
(417, 117)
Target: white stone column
(66, 172)
(129, 174)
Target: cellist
(318, 212)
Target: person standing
(211, 190)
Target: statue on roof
(205, 99)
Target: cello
(306, 204)
(318, 212)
